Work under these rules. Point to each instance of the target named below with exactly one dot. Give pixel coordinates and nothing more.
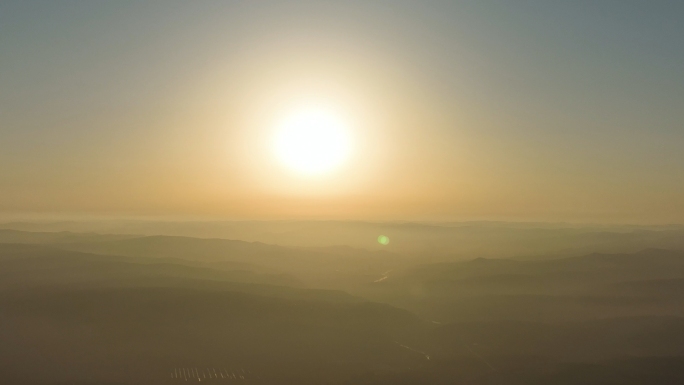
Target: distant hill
(330, 267)
(16, 236)
(433, 241)
(586, 287)
(30, 266)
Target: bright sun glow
(312, 142)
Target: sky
(525, 110)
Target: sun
(312, 141)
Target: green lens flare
(383, 240)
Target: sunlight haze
(452, 110)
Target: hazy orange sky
(458, 110)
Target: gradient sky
(513, 110)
